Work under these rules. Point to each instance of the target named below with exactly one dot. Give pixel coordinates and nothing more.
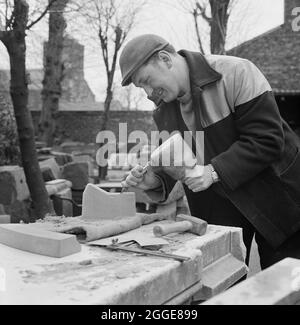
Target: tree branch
(197, 31)
(42, 14)
(202, 12)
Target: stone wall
(84, 126)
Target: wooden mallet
(183, 223)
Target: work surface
(99, 276)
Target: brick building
(277, 54)
(75, 89)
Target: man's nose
(154, 97)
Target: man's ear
(165, 57)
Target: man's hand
(143, 180)
(201, 182)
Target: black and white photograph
(149, 155)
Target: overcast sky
(249, 17)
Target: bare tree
(53, 75)
(113, 20)
(130, 96)
(215, 13)
(12, 35)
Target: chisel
(145, 168)
(146, 252)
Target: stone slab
(77, 173)
(13, 185)
(57, 185)
(61, 205)
(85, 159)
(5, 218)
(52, 164)
(220, 275)
(276, 285)
(100, 276)
(99, 204)
(61, 188)
(33, 240)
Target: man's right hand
(143, 180)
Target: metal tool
(114, 246)
(145, 168)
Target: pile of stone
(64, 174)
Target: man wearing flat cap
(251, 174)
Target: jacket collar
(201, 73)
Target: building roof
(277, 54)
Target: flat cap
(136, 52)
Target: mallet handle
(181, 226)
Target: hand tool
(114, 246)
(183, 223)
(145, 168)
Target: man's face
(158, 80)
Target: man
(251, 175)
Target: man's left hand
(201, 182)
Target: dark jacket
(251, 147)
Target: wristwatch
(214, 175)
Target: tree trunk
(14, 41)
(108, 99)
(53, 76)
(218, 25)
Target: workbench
(100, 276)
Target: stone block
(61, 188)
(167, 209)
(20, 211)
(34, 240)
(90, 162)
(70, 146)
(47, 173)
(170, 279)
(99, 204)
(77, 173)
(57, 185)
(13, 185)
(65, 207)
(52, 164)
(219, 276)
(4, 218)
(85, 159)
(62, 158)
(276, 285)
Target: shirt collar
(201, 73)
